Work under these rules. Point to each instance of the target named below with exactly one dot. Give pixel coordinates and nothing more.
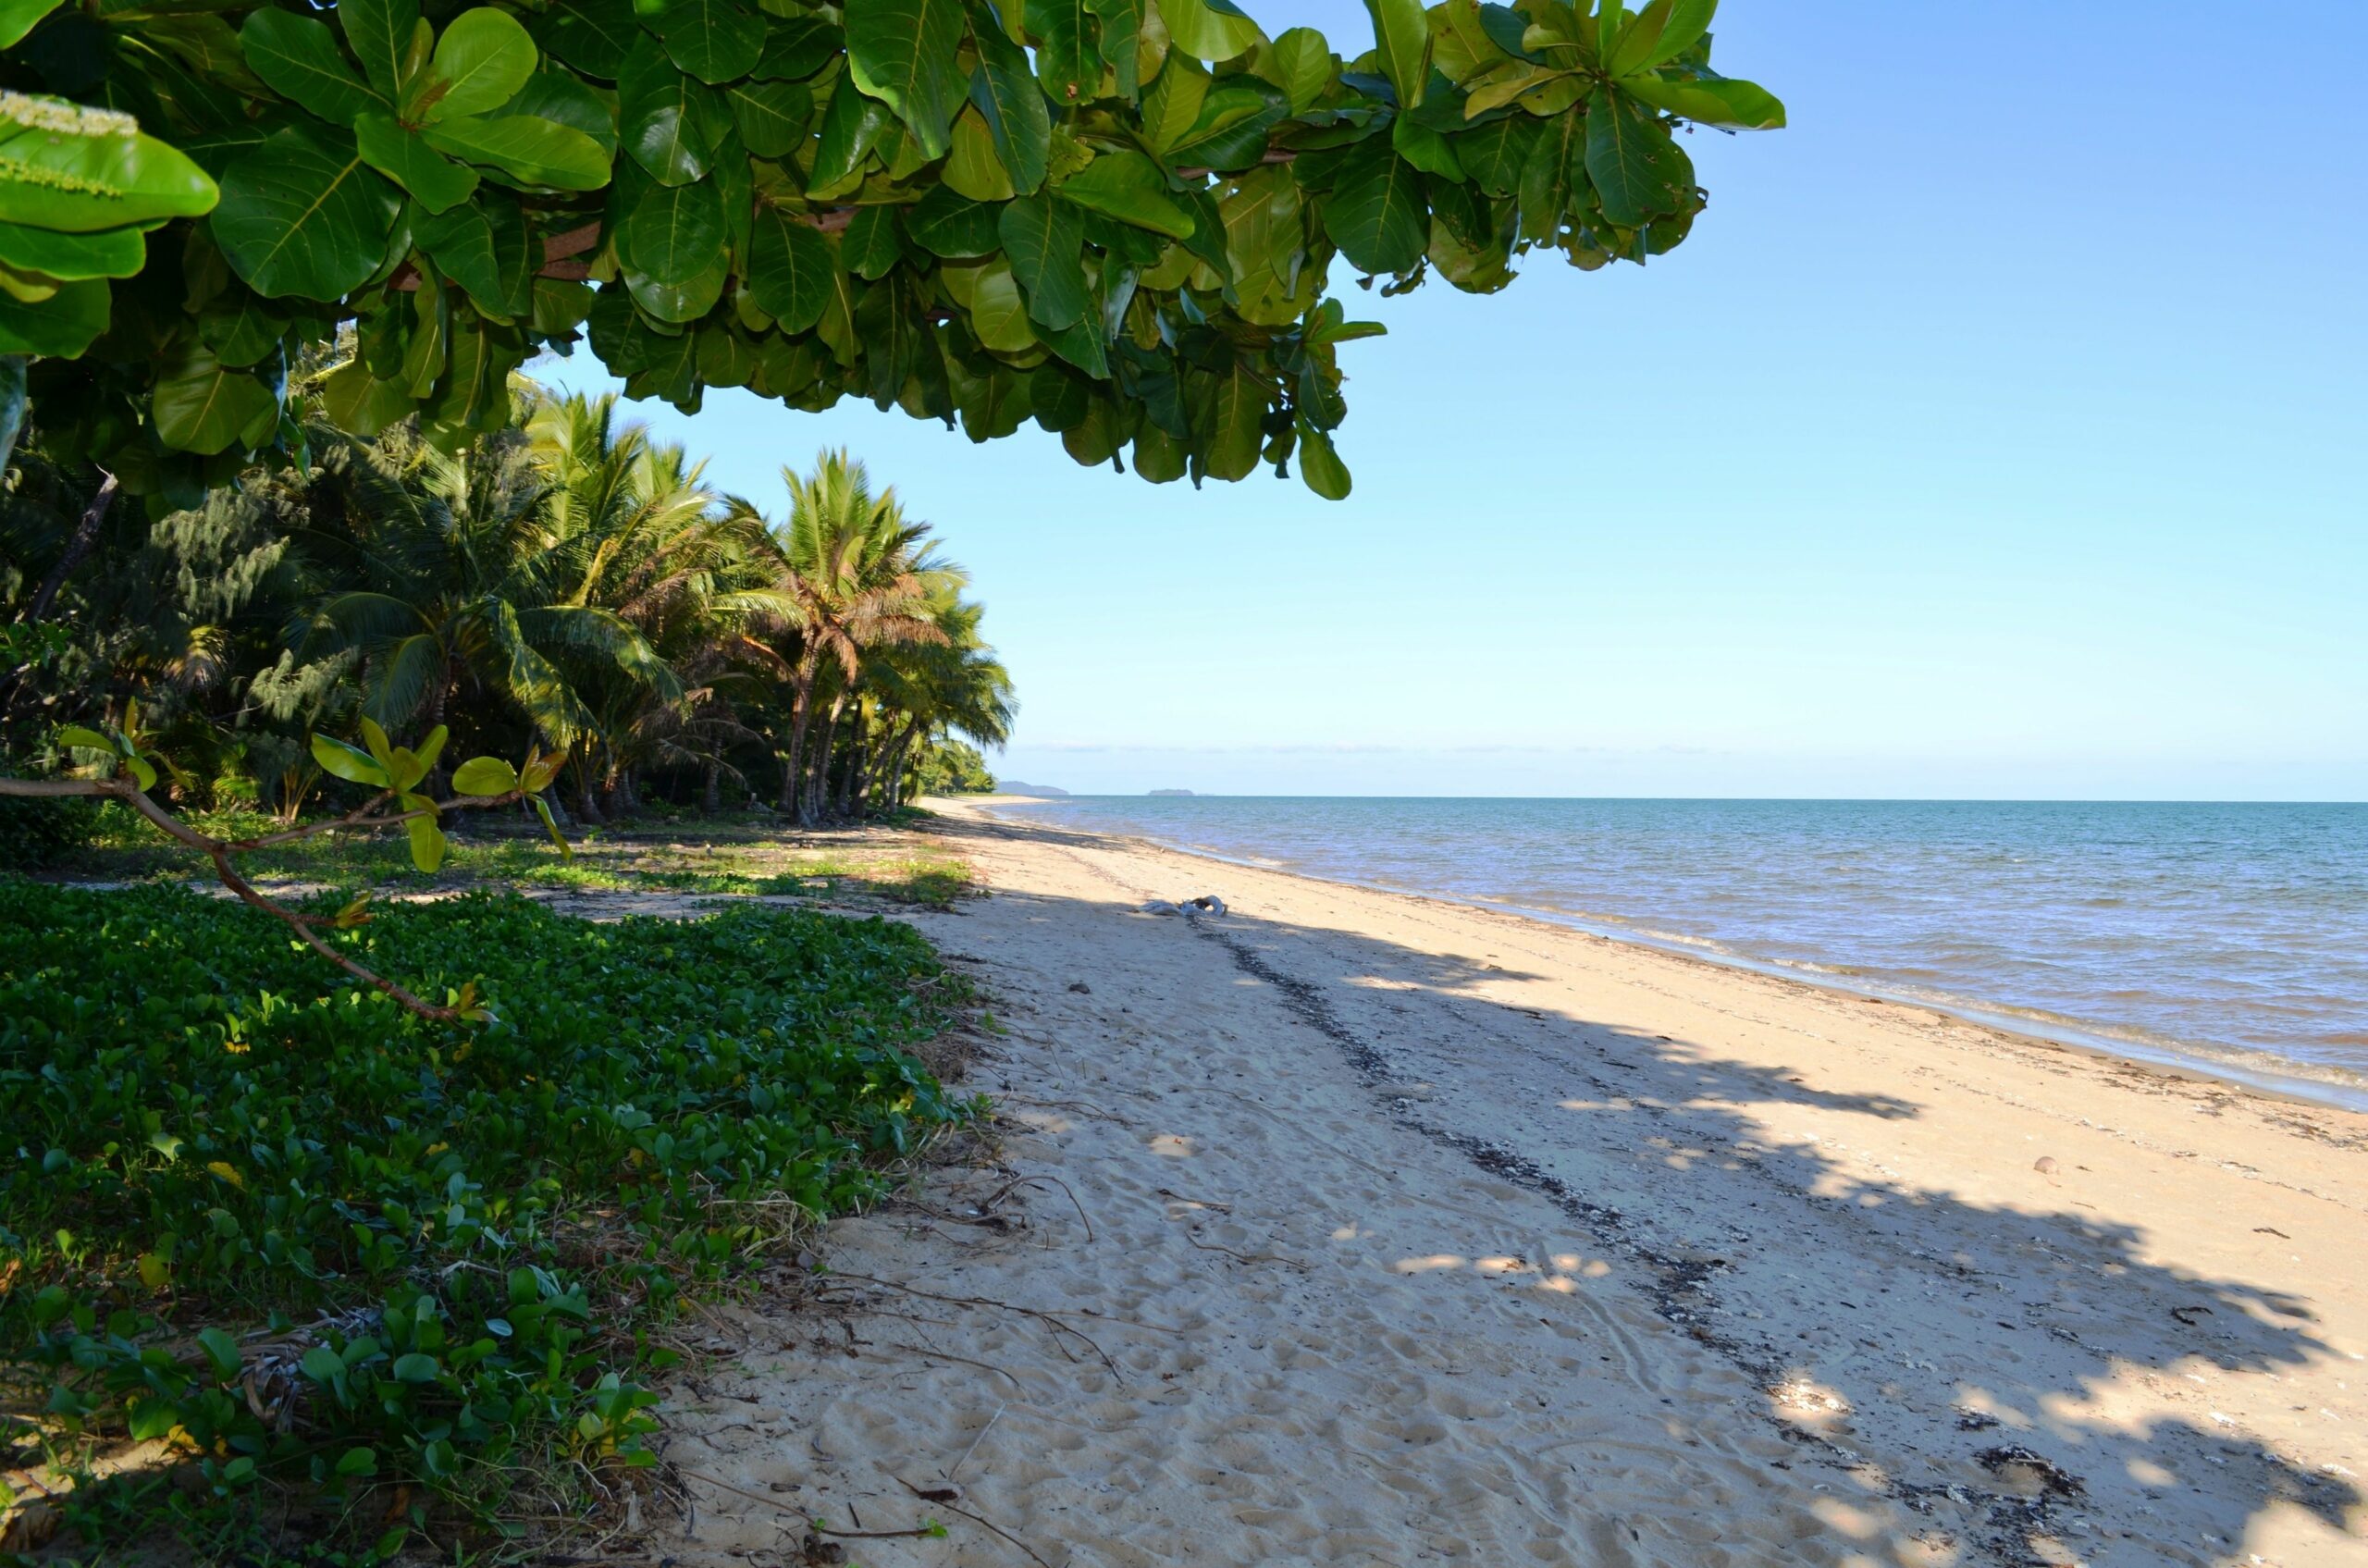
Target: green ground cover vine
(317, 1246)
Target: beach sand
(1349, 1227)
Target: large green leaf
(999, 311)
(299, 58)
(1376, 213)
(202, 406)
(789, 269)
(1003, 88)
(1403, 29)
(771, 116)
(1211, 29)
(1637, 170)
(110, 252)
(531, 150)
(595, 36)
(484, 775)
(795, 47)
(1319, 464)
(671, 233)
(18, 17)
(1230, 131)
(1228, 411)
(1128, 186)
(1068, 65)
(303, 215)
(1660, 32)
(434, 181)
(563, 99)
(1738, 106)
(1122, 32)
(65, 166)
(671, 125)
(483, 246)
(906, 53)
(1300, 63)
(482, 59)
(943, 224)
(379, 33)
(715, 41)
(1046, 241)
(63, 326)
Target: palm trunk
(801, 710)
(851, 776)
(894, 774)
(711, 790)
(586, 807)
(816, 794)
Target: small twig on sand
(1042, 1315)
(1196, 1202)
(1243, 1257)
(1039, 1181)
(949, 1355)
(976, 1441)
(977, 1519)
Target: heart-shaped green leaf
(1212, 30)
(671, 233)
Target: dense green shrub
(36, 834)
(448, 1234)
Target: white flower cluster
(63, 118)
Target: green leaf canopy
(1117, 217)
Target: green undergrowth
(701, 856)
(318, 1253)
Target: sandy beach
(1350, 1228)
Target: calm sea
(2231, 937)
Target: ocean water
(2229, 937)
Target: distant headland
(1171, 792)
(1040, 792)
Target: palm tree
(854, 576)
(635, 530)
(457, 569)
(955, 686)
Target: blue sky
(1997, 432)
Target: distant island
(1171, 792)
(1040, 792)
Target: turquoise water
(2232, 937)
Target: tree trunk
(801, 705)
(86, 534)
(813, 798)
(895, 779)
(585, 805)
(851, 777)
(711, 790)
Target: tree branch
(220, 852)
